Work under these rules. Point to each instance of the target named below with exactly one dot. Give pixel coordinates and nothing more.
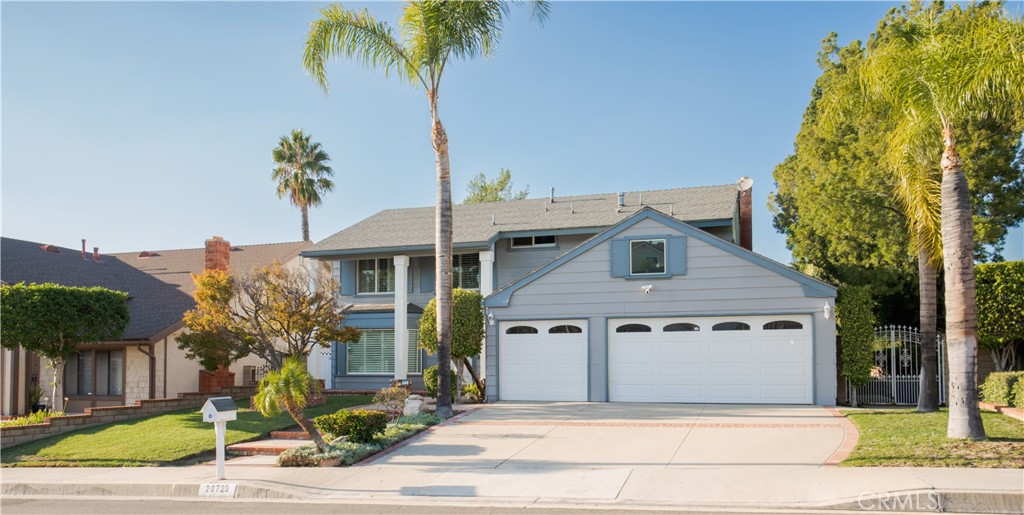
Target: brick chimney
(218, 254)
(745, 185)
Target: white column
(401, 317)
(9, 379)
(486, 288)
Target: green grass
(898, 438)
(157, 440)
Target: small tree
(52, 320)
(467, 331)
(481, 190)
(857, 329)
(1001, 310)
(274, 313)
(289, 388)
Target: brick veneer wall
(15, 435)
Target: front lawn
(905, 438)
(157, 440)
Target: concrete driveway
(609, 435)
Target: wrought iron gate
(897, 372)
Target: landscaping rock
(414, 405)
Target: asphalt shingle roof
(159, 287)
(473, 222)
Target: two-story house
(650, 296)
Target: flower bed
(344, 453)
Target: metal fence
(896, 376)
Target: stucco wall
(716, 283)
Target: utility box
(220, 409)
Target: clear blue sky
(150, 125)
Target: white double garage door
(754, 359)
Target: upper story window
(376, 275)
(647, 257)
(533, 241)
(466, 271)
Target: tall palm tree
(302, 174)
(289, 388)
(943, 67)
(433, 33)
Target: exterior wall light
(827, 310)
(490, 318)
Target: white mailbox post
(220, 410)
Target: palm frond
(358, 36)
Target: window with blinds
(466, 271)
(375, 353)
(376, 275)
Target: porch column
(486, 288)
(401, 317)
(9, 379)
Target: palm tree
(433, 33)
(940, 69)
(289, 388)
(302, 174)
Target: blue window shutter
(348, 277)
(676, 255)
(426, 275)
(620, 258)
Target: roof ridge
(204, 248)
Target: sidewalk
(746, 487)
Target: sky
(147, 126)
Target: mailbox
(220, 409)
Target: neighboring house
(650, 296)
(146, 362)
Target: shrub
(471, 392)
(348, 453)
(1018, 394)
(1000, 297)
(32, 418)
(358, 425)
(998, 387)
(392, 399)
(307, 456)
(430, 381)
(856, 325)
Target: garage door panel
(542, 366)
(745, 366)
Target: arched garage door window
(633, 328)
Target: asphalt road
(117, 506)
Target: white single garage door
(762, 359)
(542, 360)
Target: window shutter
(348, 277)
(676, 255)
(415, 355)
(620, 258)
(426, 275)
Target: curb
(851, 435)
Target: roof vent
(622, 199)
(50, 248)
(147, 254)
(552, 197)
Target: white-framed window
(95, 372)
(375, 275)
(375, 353)
(523, 242)
(466, 271)
(647, 257)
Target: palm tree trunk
(961, 308)
(443, 253)
(306, 425)
(928, 393)
(305, 222)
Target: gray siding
(716, 283)
(511, 264)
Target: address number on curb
(217, 489)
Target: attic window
(147, 254)
(523, 242)
(50, 248)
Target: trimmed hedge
(1000, 388)
(430, 381)
(1018, 394)
(359, 426)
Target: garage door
(544, 360)
(711, 359)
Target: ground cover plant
(905, 438)
(346, 453)
(157, 440)
(32, 418)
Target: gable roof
(811, 286)
(414, 227)
(159, 287)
